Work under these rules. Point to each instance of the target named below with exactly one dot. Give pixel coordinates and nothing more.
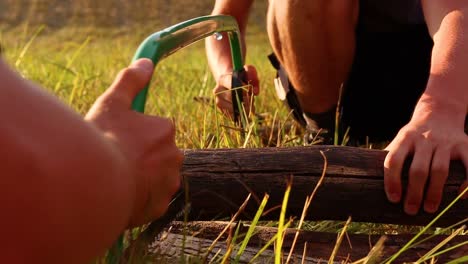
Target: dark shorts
(389, 74)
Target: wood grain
(219, 180)
(319, 244)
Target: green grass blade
(28, 45)
(405, 247)
(252, 226)
(268, 244)
(241, 209)
(449, 249)
(281, 228)
(442, 230)
(431, 252)
(231, 244)
(307, 203)
(115, 252)
(70, 63)
(338, 241)
(461, 260)
(336, 137)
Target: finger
(225, 106)
(130, 82)
(393, 165)
(252, 78)
(439, 173)
(418, 174)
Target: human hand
(147, 142)
(435, 135)
(222, 91)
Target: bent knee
(317, 10)
(305, 16)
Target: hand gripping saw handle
(160, 45)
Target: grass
(78, 63)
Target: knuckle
(128, 74)
(430, 135)
(167, 127)
(407, 133)
(218, 89)
(392, 159)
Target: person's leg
(315, 42)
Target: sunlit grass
(78, 64)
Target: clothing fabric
(390, 15)
(390, 69)
(389, 73)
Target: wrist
(436, 105)
(221, 70)
(447, 92)
(219, 57)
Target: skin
(434, 136)
(74, 184)
(219, 58)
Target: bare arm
(447, 21)
(435, 134)
(47, 152)
(219, 57)
(218, 52)
(67, 188)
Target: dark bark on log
(319, 245)
(220, 180)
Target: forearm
(218, 51)
(64, 187)
(448, 79)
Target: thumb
(130, 81)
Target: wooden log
(174, 247)
(200, 236)
(219, 181)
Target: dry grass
(84, 43)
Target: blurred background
(111, 13)
(75, 48)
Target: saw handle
(239, 79)
(165, 42)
